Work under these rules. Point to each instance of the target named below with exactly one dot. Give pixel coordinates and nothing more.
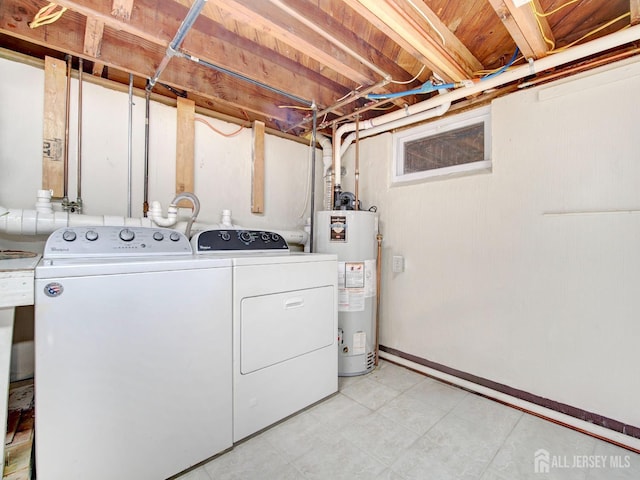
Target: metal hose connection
(196, 208)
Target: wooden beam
(93, 32)
(185, 144)
(67, 35)
(527, 31)
(257, 168)
(231, 51)
(417, 29)
(634, 7)
(98, 69)
(53, 132)
(262, 16)
(122, 9)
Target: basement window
(456, 145)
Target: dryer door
(281, 326)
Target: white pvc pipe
(17, 221)
(574, 53)
(418, 117)
(155, 214)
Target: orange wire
(233, 134)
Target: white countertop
(16, 281)
(16, 289)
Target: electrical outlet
(398, 264)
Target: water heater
(351, 235)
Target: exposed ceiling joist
(526, 27)
(414, 26)
(268, 60)
(263, 16)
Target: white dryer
(284, 325)
(133, 355)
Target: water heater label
(359, 343)
(354, 275)
(338, 227)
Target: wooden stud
(122, 9)
(185, 138)
(257, 168)
(523, 26)
(55, 82)
(93, 32)
(634, 7)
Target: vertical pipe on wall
(145, 203)
(378, 294)
(357, 166)
(130, 147)
(65, 190)
(334, 184)
(79, 159)
(313, 175)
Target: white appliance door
(133, 373)
(281, 326)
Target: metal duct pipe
(186, 25)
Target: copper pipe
(65, 169)
(378, 284)
(357, 172)
(580, 68)
(79, 180)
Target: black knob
(264, 236)
(225, 236)
(275, 237)
(245, 237)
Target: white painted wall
(505, 277)
(222, 164)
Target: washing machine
(284, 325)
(133, 355)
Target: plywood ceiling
(276, 60)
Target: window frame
(401, 138)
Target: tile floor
(395, 424)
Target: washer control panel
(211, 241)
(112, 241)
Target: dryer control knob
(158, 236)
(126, 235)
(174, 236)
(246, 237)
